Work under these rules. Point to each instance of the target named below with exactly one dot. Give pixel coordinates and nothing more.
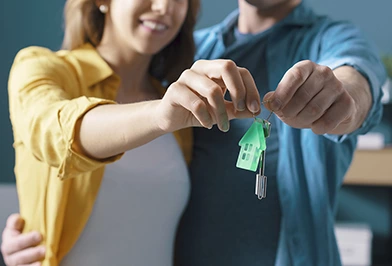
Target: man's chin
(266, 4)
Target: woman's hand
(20, 249)
(197, 97)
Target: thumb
(270, 100)
(268, 97)
(15, 222)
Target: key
(261, 180)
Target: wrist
(159, 122)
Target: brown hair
(85, 23)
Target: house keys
(252, 154)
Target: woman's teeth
(154, 25)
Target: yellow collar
(95, 67)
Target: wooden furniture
(371, 168)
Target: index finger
(252, 93)
(227, 71)
(291, 81)
(20, 242)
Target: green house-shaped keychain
(252, 144)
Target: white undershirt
(137, 210)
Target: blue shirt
(241, 234)
(310, 167)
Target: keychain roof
(253, 143)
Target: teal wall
(25, 23)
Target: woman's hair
(84, 23)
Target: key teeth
(257, 186)
(261, 186)
(264, 187)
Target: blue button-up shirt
(310, 167)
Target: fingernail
(19, 223)
(275, 104)
(241, 105)
(37, 237)
(254, 107)
(42, 250)
(225, 126)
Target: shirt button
(295, 241)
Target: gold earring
(104, 9)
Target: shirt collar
(93, 66)
(302, 15)
(95, 69)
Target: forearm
(358, 88)
(108, 130)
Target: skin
(21, 249)
(308, 96)
(195, 99)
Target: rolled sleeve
(74, 162)
(342, 44)
(44, 115)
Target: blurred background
(364, 216)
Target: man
(319, 113)
(322, 80)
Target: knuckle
(338, 88)
(348, 101)
(305, 64)
(287, 114)
(284, 95)
(328, 124)
(198, 106)
(37, 253)
(304, 95)
(308, 62)
(215, 92)
(173, 88)
(228, 65)
(324, 72)
(185, 74)
(197, 63)
(298, 73)
(317, 129)
(314, 109)
(243, 70)
(19, 245)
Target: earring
(104, 9)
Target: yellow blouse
(57, 186)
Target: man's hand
(20, 249)
(314, 96)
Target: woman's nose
(162, 7)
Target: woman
(90, 119)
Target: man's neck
(253, 20)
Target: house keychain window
(252, 153)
